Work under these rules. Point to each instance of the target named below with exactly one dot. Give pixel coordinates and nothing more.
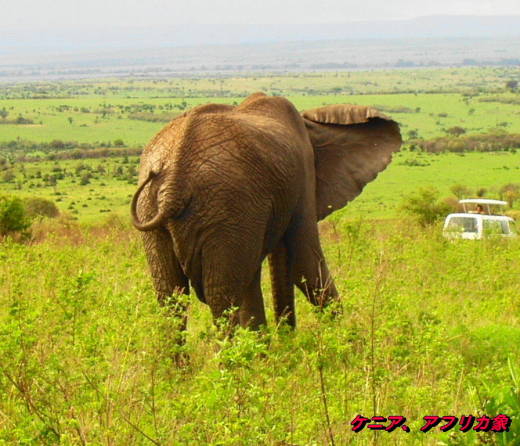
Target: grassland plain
(99, 112)
(430, 101)
(429, 327)
(416, 80)
(112, 182)
(97, 119)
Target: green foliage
(510, 192)
(8, 176)
(481, 192)
(489, 142)
(85, 179)
(425, 206)
(456, 131)
(503, 398)
(460, 191)
(512, 85)
(152, 117)
(40, 207)
(86, 353)
(13, 216)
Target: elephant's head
(352, 144)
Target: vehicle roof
(483, 201)
(483, 216)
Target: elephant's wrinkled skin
(222, 187)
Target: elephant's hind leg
(168, 278)
(282, 285)
(240, 303)
(309, 267)
(167, 274)
(252, 312)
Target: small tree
(512, 85)
(460, 191)
(510, 192)
(481, 192)
(40, 207)
(413, 134)
(425, 206)
(85, 179)
(4, 113)
(9, 176)
(456, 131)
(13, 217)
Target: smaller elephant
(223, 187)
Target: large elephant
(222, 187)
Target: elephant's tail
(168, 205)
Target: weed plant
(429, 327)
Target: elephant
(223, 187)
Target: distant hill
(424, 41)
(190, 35)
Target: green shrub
(510, 192)
(40, 207)
(9, 177)
(425, 206)
(13, 216)
(85, 179)
(460, 191)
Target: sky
(45, 14)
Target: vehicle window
(505, 227)
(463, 224)
(495, 227)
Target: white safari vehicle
(481, 218)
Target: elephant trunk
(167, 204)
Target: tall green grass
(429, 327)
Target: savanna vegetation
(429, 326)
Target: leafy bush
(504, 398)
(456, 130)
(40, 207)
(8, 176)
(453, 204)
(510, 192)
(85, 179)
(13, 216)
(460, 191)
(425, 206)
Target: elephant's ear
(352, 144)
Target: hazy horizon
(74, 13)
(100, 37)
(437, 40)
